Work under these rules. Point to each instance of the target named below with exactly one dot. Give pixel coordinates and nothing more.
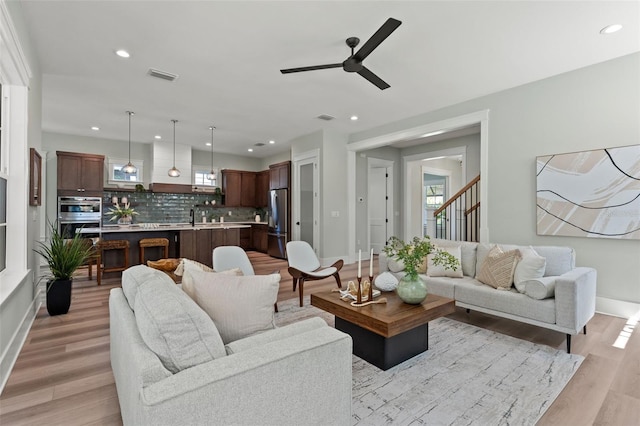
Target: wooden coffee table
(385, 334)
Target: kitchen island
(193, 242)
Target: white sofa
(298, 374)
(570, 305)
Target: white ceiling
(228, 56)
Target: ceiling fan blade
(366, 73)
(312, 68)
(383, 32)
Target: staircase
(459, 218)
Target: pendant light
(212, 174)
(129, 168)
(174, 172)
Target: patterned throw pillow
(498, 268)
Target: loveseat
(296, 374)
(561, 299)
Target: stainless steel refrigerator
(278, 223)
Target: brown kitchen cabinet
(232, 187)
(198, 244)
(279, 175)
(262, 188)
(248, 193)
(80, 173)
(246, 241)
(259, 237)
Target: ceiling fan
(354, 62)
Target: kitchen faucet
(192, 217)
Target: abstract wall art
(590, 193)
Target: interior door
(378, 208)
(306, 206)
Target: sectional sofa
(297, 374)
(563, 299)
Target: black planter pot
(58, 296)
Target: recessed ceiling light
(208, 144)
(354, 117)
(158, 137)
(122, 53)
(96, 128)
(610, 29)
(272, 142)
(250, 150)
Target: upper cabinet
(248, 192)
(232, 187)
(279, 175)
(262, 188)
(80, 173)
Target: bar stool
(93, 256)
(153, 242)
(112, 245)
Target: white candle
(359, 263)
(371, 264)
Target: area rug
(469, 376)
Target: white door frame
(479, 117)
(408, 163)
(304, 158)
(387, 164)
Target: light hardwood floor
(63, 374)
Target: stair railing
(459, 218)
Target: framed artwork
(593, 194)
(35, 178)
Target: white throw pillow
(531, 267)
(440, 271)
(239, 305)
(187, 276)
(541, 288)
(386, 281)
(184, 262)
(395, 265)
(175, 328)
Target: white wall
(590, 108)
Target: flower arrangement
(413, 253)
(121, 211)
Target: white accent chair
(305, 266)
(230, 257)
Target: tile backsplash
(155, 207)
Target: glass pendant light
(129, 168)
(212, 174)
(174, 172)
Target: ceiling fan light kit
(354, 62)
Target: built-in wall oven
(75, 213)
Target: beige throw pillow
(498, 268)
(183, 262)
(187, 276)
(238, 305)
(440, 271)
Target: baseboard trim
(10, 355)
(617, 308)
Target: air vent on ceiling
(325, 117)
(258, 144)
(162, 74)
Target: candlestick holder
(359, 294)
(370, 288)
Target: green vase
(412, 291)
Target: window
(116, 175)
(434, 196)
(200, 178)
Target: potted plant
(64, 257)
(123, 213)
(411, 288)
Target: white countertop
(141, 227)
